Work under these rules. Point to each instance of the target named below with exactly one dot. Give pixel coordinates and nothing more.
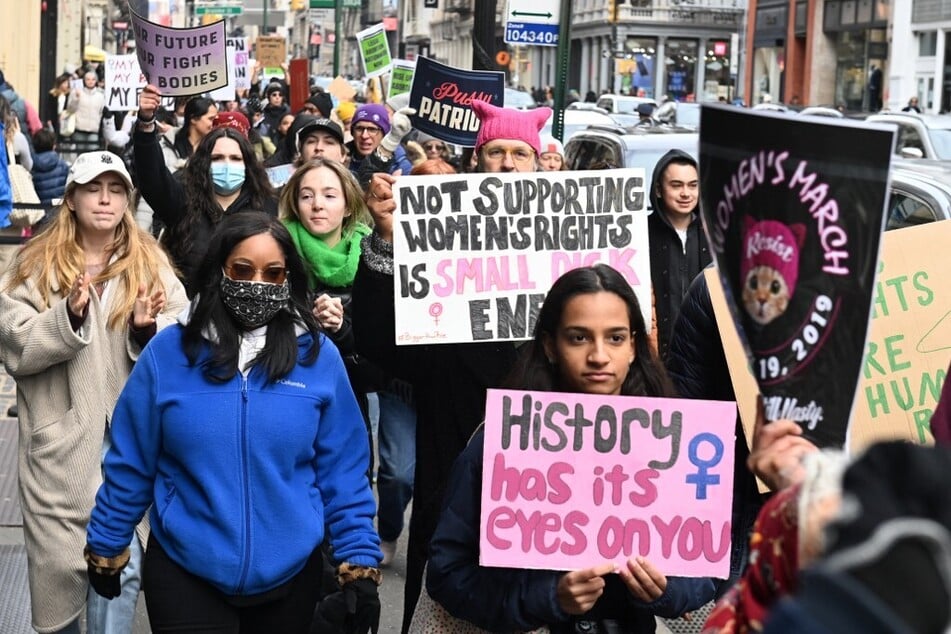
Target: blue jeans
(397, 442)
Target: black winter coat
(697, 366)
(165, 193)
(673, 266)
(449, 383)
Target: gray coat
(67, 385)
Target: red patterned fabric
(772, 571)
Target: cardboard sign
(475, 254)
(401, 78)
(909, 342)
(124, 81)
(182, 62)
(571, 480)
(794, 212)
(374, 51)
(442, 96)
(270, 50)
(341, 89)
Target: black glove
(364, 596)
(105, 572)
(107, 586)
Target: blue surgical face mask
(227, 177)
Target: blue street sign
(531, 34)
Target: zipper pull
(244, 388)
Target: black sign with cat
(794, 208)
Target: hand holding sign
(778, 448)
(149, 101)
(381, 204)
(579, 590)
(645, 582)
(400, 126)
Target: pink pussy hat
(508, 123)
(774, 244)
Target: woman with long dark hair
(222, 177)
(252, 449)
(590, 338)
(178, 144)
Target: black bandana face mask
(252, 303)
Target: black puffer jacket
(672, 265)
(697, 366)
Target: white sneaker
(389, 552)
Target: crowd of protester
(195, 340)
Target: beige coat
(67, 386)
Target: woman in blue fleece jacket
(590, 337)
(239, 428)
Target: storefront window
(681, 69)
(767, 74)
(640, 71)
(851, 74)
(716, 82)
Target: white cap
(551, 145)
(88, 166)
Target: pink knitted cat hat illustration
(774, 244)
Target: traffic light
(612, 11)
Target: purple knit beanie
(372, 113)
(508, 123)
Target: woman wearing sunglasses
(77, 306)
(253, 449)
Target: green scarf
(330, 266)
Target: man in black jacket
(678, 248)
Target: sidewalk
(14, 595)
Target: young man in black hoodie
(678, 248)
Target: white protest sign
(124, 81)
(239, 62)
(475, 254)
(228, 92)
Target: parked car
(622, 104)
(822, 111)
(578, 120)
(518, 99)
(919, 135)
(920, 189)
(631, 149)
(920, 193)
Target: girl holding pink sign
(590, 338)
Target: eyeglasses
(371, 130)
(519, 155)
(241, 272)
(434, 146)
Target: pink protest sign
(572, 480)
(182, 62)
